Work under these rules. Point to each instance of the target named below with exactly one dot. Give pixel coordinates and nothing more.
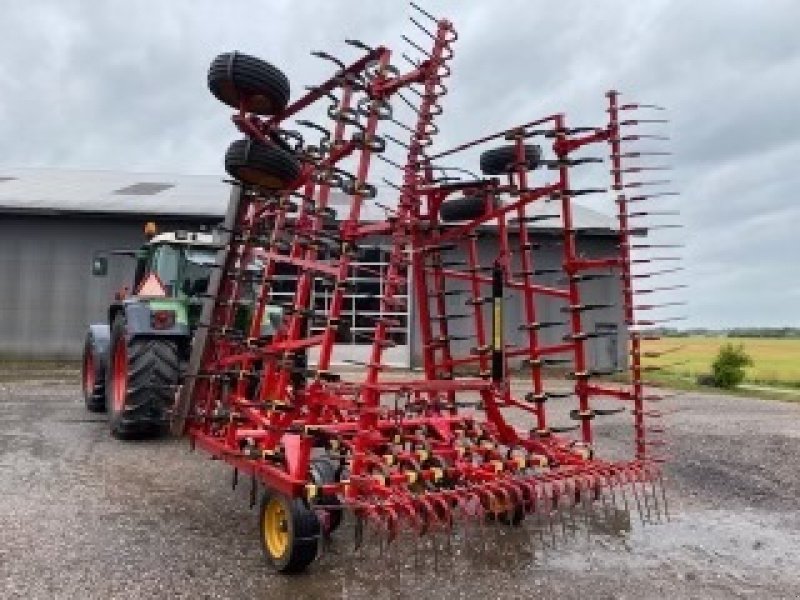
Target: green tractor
(134, 363)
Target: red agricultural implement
(456, 441)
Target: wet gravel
(85, 516)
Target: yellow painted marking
(498, 324)
(311, 491)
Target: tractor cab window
(197, 270)
(165, 263)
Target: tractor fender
(99, 339)
(139, 318)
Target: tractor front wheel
(93, 379)
(290, 532)
(142, 377)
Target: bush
(727, 369)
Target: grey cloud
(121, 85)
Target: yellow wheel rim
(276, 528)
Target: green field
(776, 362)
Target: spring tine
(396, 141)
(358, 533)
(643, 136)
(416, 46)
(646, 503)
(424, 12)
(637, 105)
(421, 28)
(359, 44)
(640, 197)
(664, 495)
(632, 481)
(328, 57)
(408, 103)
(389, 161)
(655, 498)
(410, 60)
(403, 125)
(629, 122)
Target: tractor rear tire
(235, 78)
(141, 379)
(93, 377)
(466, 208)
(263, 165)
(503, 160)
(290, 532)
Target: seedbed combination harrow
(402, 453)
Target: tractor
(133, 364)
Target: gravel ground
(85, 516)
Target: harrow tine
(664, 495)
(424, 12)
(421, 28)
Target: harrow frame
(407, 452)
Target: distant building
(53, 222)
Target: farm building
(54, 222)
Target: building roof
(63, 191)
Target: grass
(776, 362)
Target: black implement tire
(289, 532)
(234, 77)
(466, 208)
(502, 160)
(141, 380)
(264, 165)
(93, 368)
(324, 471)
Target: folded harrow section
(460, 441)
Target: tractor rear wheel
(93, 381)
(142, 377)
(264, 165)
(235, 78)
(502, 160)
(289, 532)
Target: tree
(727, 370)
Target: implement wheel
(235, 78)
(142, 377)
(323, 471)
(502, 160)
(289, 532)
(264, 165)
(466, 208)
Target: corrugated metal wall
(48, 295)
(47, 292)
(604, 353)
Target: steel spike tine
(358, 531)
(563, 520)
(424, 12)
(421, 28)
(664, 495)
(648, 512)
(604, 495)
(654, 493)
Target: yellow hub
(276, 528)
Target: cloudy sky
(121, 85)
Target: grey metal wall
(47, 292)
(604, 353)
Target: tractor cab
(181, 262)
